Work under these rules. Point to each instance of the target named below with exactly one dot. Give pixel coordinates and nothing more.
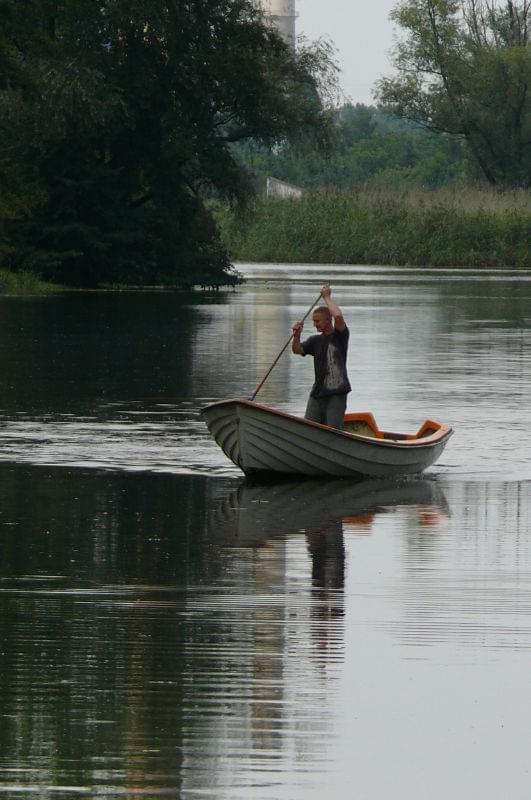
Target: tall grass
(461, 228)
(23, 283)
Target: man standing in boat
(328, 396)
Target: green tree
(464, 68)
(19, 193)
(130, 121)
(354, 123)
(368, 147)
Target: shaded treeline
(120, 120)
(116, 118)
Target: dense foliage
(368, 147)
(464, 68)
(117, 117)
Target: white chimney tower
(282, 15)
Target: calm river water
(168, 629)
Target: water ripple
(179, 445)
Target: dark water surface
(168, 629)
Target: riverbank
(25, 283)
(460, 228)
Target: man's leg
(315, 410)
(335, 410)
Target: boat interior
(364, 424)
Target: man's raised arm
(296, 341)
(337, 314)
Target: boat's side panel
(277, 444)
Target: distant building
(282, 15)
(276, 188)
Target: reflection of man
(328, 396)
(327, 550)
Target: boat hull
(264, 441)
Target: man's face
(321, 322)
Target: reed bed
(24, 283)
(470, 228)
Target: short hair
(323, 310)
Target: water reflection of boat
(254, 513)
(260, 440)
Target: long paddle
(273, 365)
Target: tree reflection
(154, 625)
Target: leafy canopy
(120, 118)
(368, 148)
(464, 67)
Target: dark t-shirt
(329, 361)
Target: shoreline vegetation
(133, 142)
(25, 283)
(451, 227)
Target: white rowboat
(261, 441)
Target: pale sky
(362, 35)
